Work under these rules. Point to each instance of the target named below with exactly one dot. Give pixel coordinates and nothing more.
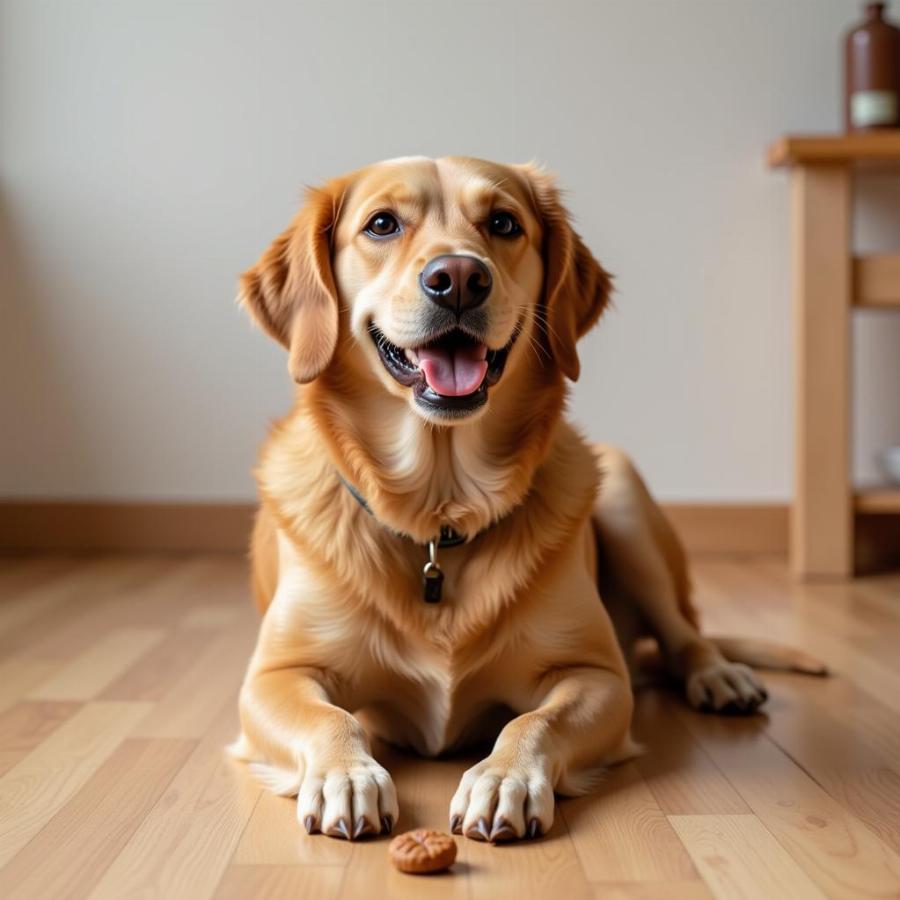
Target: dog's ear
(291, 293)
(576, 287)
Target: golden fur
(521, 643)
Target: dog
(440, 557)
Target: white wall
(149, 151)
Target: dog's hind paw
(726, 687)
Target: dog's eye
(382, 224)
(504, 224)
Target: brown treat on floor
(422, 851)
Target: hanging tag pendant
(432, 584)
(432, 576)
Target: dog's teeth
(411, 357)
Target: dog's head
(443, 275)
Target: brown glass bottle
(872, 72)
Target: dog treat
(422, 851)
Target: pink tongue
(456, 372)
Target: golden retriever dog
(440, 557)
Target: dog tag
(432, 582)
(432, 576)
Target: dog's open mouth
(450, 374)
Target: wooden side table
(828, 282)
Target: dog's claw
(309, 823)
(534, 828)
(502, 831)
(387, 824)
(363, 826)
(340, 829)
(456, 824)
(479, 831)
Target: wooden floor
(118, 680)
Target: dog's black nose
(456, 281)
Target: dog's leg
(648, 564)
(295, 735)
(580, 725)
(294, 732)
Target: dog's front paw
(497, 801)
(726, 687)
(347, 799)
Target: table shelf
(882, 500)
(822, 149)
(876, 281)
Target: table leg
(822, 513)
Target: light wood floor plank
(280, 883)
(194, 583)
(189, 706)
(25, 725)
(33, 791)
(88, 674)
(45, 606)
(863, 780)
(667, 890)
(154, 596)
(157, 672)
(19, 674)
(680, 775)
(185, 843)
(549, 867)
(833, 847)
(621, 834)
(210, 615)
(62, 621)
(740, 860)
(273, 836)
(860, 713)
(67, 857)
(22, 575)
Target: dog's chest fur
(432, 705)
(350, 603)
(423, 679)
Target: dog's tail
(767, 655)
